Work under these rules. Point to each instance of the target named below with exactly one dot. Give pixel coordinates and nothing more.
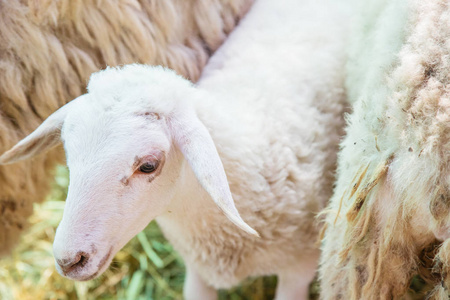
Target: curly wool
(390, 209)
(48, 49)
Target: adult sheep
(48, 49)
(390, 210)
(255, 138)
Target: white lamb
(260, 131)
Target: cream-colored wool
(390, 209)
(48, 49)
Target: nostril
(83, 259)
(78, 261)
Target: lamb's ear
(45, 137)
(197, 146)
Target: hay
(146, 268)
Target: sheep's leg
(195, 287)
(294, 284)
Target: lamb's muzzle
(80, 265)
(73, 263)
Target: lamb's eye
(148, 167)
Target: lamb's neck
(191, 206)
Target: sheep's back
(390, 201)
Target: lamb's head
(126, 141)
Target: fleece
(388, 218)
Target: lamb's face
(125, 144)
(123, 173)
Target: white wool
(275, 118)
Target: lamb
(233, 169)
(48, 49)
(389, 216)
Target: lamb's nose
(71, 264)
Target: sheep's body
(48, 50)
(391, 198)
(275, 118)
